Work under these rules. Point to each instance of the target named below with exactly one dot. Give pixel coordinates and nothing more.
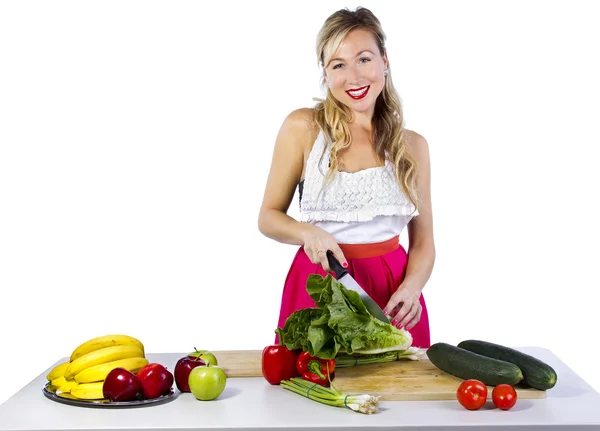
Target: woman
(362, 179)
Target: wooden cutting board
(399, 380)
(240, 363)
(408, 380)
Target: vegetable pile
(482, 363)
(340, 332)
(340, 325)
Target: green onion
(345, 360)
(359, 403)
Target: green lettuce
(340, 323)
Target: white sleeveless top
(361, 207)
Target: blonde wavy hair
(333, 117)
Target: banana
(62, 384)
(101, 356)
(88, 391)
(105, 341)
(97, 373)
(59, 381)
(67, 386)
(58, 371)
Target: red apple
(121, 385)
(182, 371)
(156, 380)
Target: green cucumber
(469, 365)
(536, 373)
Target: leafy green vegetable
(340, 323)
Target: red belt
(361, 251)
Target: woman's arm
(286, 171)
(421, 251)
(295, 139)
(421, 247)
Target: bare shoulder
(416, 141)
(300, 127)
(302, 117)
(417, 145)
(294, 142)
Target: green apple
(207, 382)
(205, 355)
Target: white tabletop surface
(251, 403)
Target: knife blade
(342, 275)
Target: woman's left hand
(406, 301)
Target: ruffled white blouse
(355, 207)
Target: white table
(251, 403)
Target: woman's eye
(365, 59)
(337, 66)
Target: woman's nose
(353, 75)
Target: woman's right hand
(316, 244)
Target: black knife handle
(335, 265)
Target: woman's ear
(385, 60)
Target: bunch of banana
(84, 373)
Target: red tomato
(471, 394)
(504, 396)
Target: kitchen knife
(342, 275)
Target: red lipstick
(358, 93)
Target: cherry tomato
(472, 394)
(504, 396)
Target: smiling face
(355, 72)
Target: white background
(136, 138)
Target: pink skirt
(377, 268)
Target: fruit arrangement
(199, 373)
(481, 363)
(110, 368)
